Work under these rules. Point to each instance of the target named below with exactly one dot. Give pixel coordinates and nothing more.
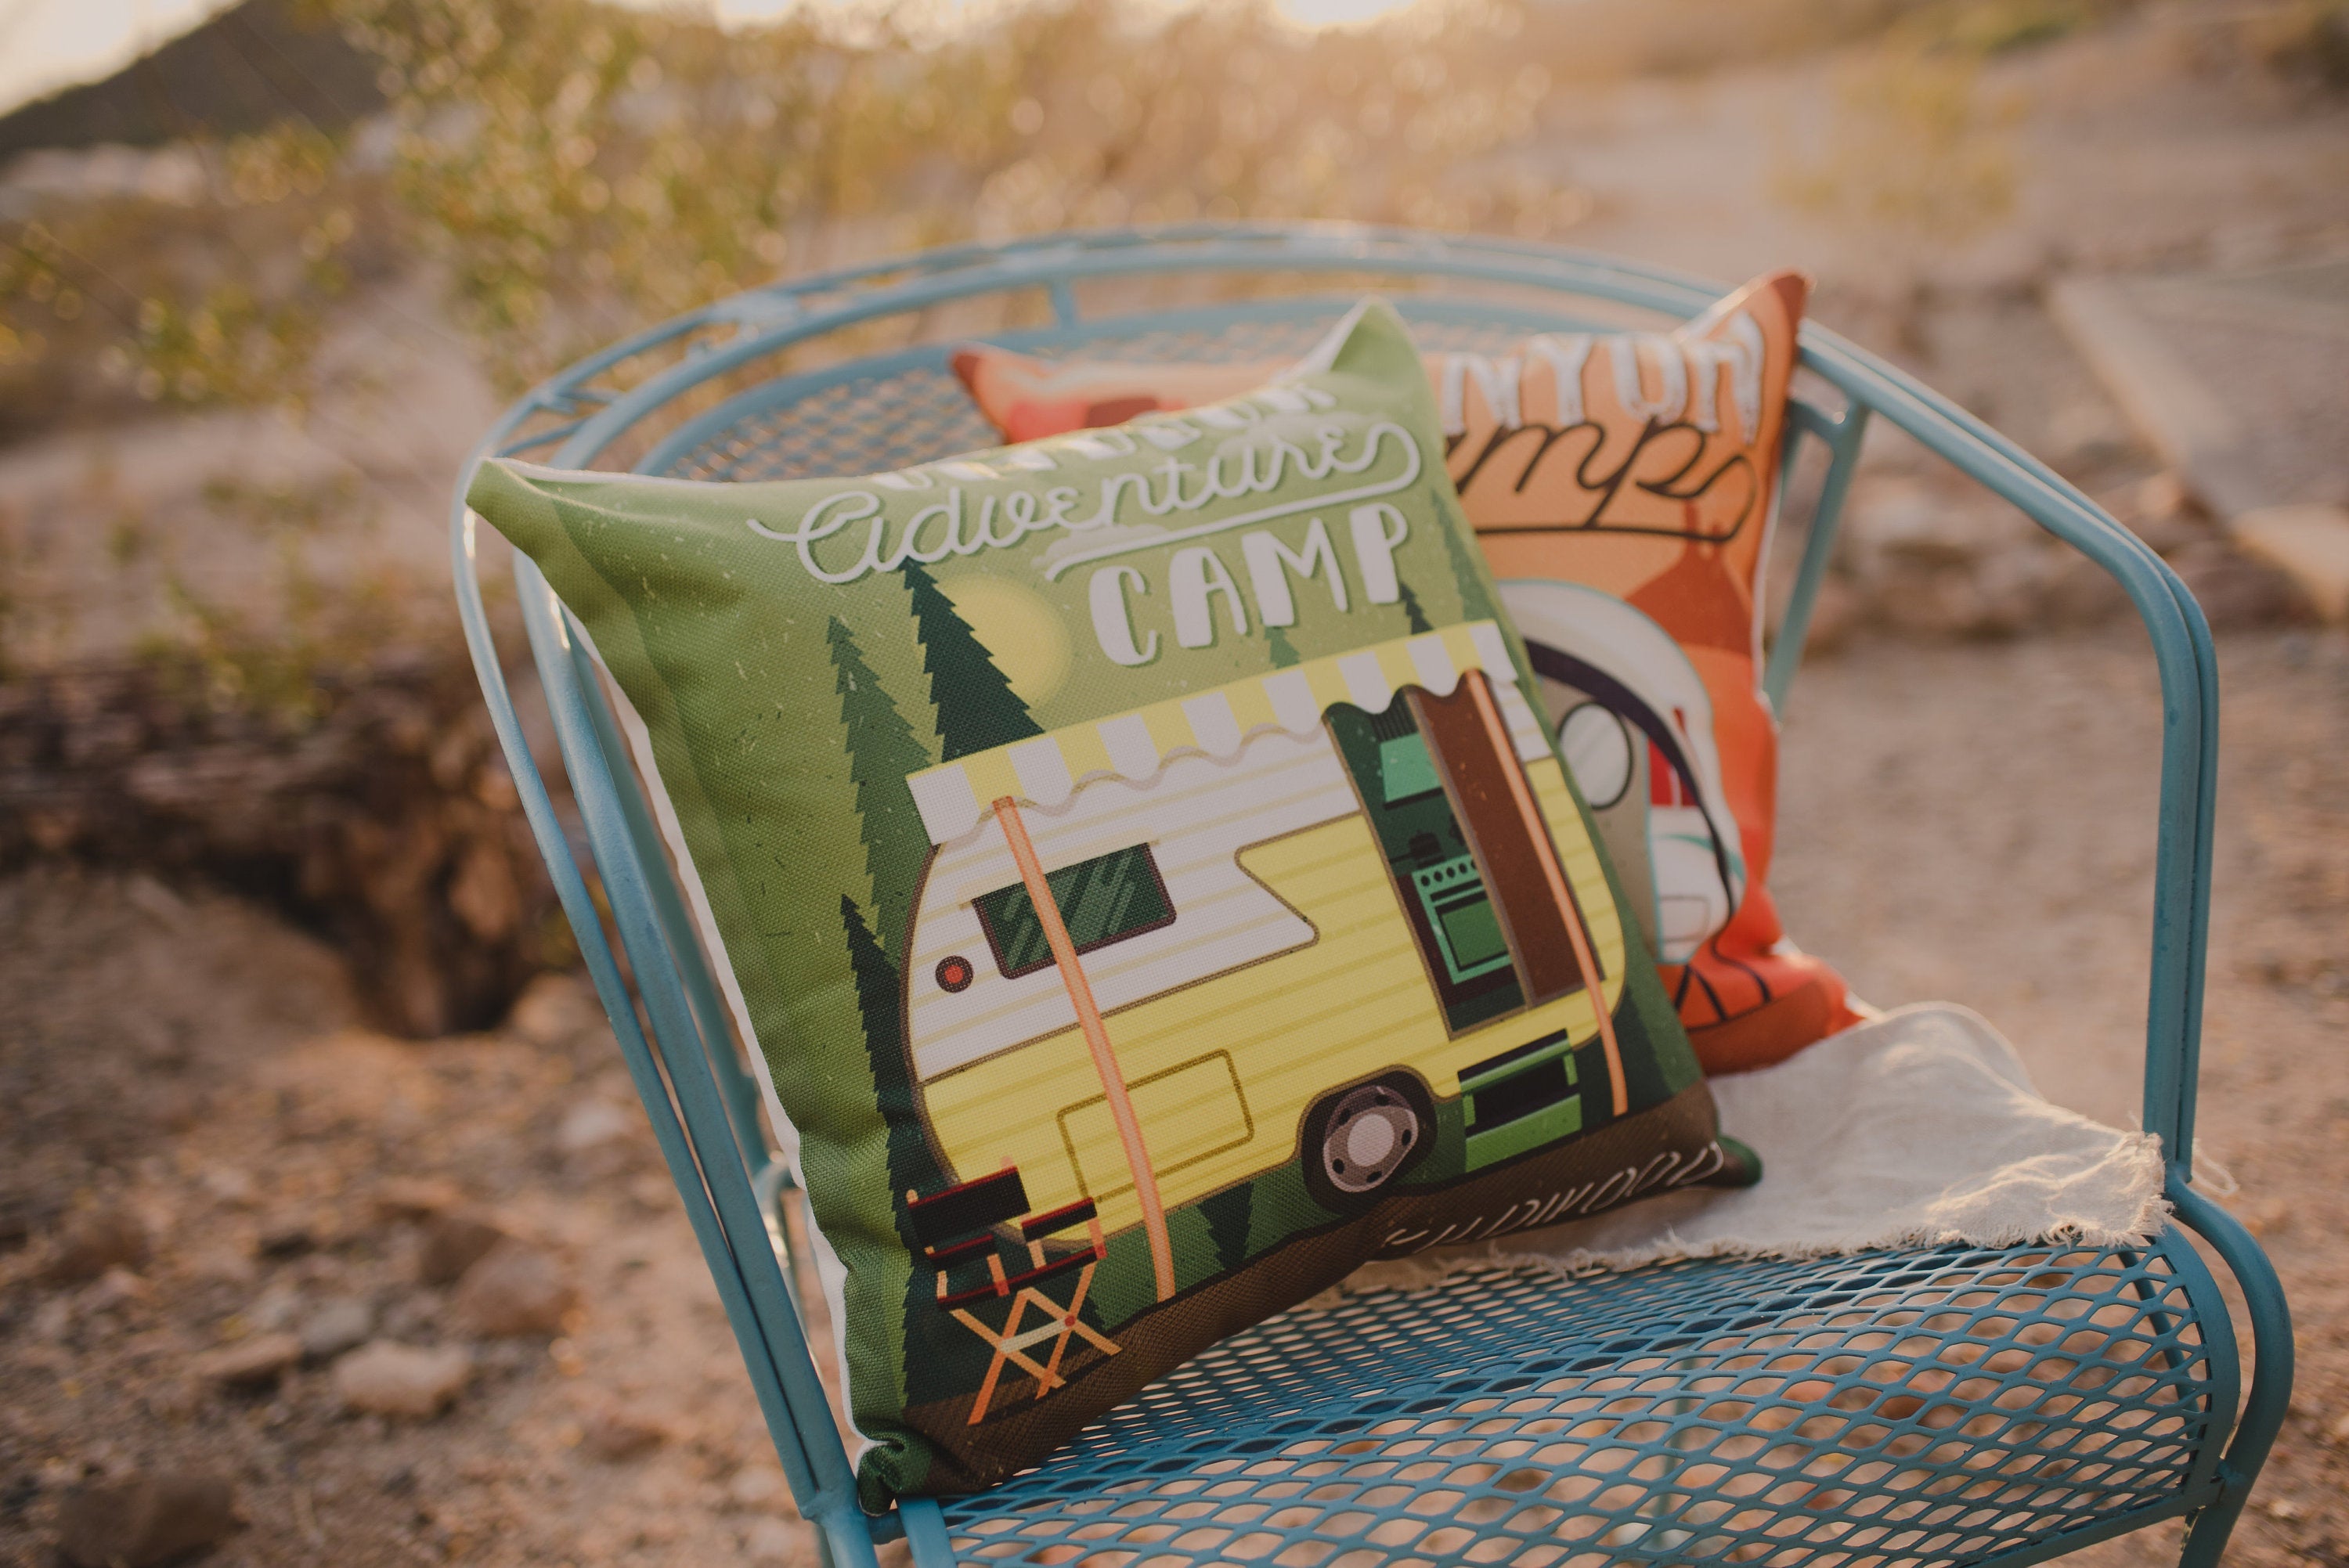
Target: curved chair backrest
(847, 373)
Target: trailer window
(1103, 899)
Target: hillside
(253, 66)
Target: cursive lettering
(848, 535)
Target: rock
(335, 1326)
(225, 1262)
(156, 902)
(612, 1434)
(453, 1244)
(115, 1287)
(1905, 520)
(103, 1237)
(1834, 613)
(411, 1380)
(1978, 600)
(142, 1521)
(756, 1488)
(160, 1043)
(274, 1309)
(285, 1238)
(515, 1290)
(228, 1184)
(415, 1197)
(592, 1127)
(654, 1191)
(413, 1314)
(2308, 543)
(2074, 591)
(52, 1320)
(2008, 262)
(598, 1138)
(255, 1359)
(2087, 435)
(129, 761)
(2236, 592)
(2269, 1217)
(177, 1107)
(22, 1216)
(554, 1010)
(772, 1541)
(2160, 511)
(1928, 561)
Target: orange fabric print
(1623, 486)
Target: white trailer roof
(954, 797)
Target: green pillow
(1143, 878)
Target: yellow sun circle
(1021, 630)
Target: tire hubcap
(1370, 1134)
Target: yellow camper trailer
(1161, 952)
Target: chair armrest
(2190, 703)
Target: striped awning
(954, 796)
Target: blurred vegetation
(2307, 39)
(582, 170)
(1911, 151)
(560, 171)
(572, 170)
(220, 294)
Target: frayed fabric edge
(2153, 1213)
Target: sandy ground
(1967, 822)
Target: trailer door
(1529, 897)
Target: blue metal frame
(687, 1066)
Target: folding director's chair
(956, 1228)
(1974, 1405)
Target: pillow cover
(1148, 890)
(1623, 486)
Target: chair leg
(926, 1532)
(2206, 1532)
(2270, 1395)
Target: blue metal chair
(1958, 1405)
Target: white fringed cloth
(1918, 1128)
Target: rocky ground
(434, 1301)
(397, 1302)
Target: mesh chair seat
(1925, 1408)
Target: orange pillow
(1622, 485)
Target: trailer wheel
(1358, 1141)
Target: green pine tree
(879, 1001)
(1227, 1214)
(1419, 620)
(882, 750)
(1284, 653)
(977, 709)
